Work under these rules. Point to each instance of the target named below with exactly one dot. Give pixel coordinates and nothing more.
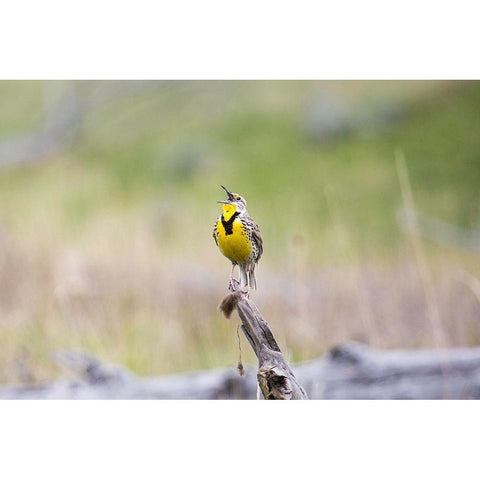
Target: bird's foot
(233, 284)
(245, 290)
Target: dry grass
(157, 315)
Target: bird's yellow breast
(235, 246)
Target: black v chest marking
(228, 224)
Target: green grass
(149, 147)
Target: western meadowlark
(239, 239)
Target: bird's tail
(243, 276)
(247, 277)
(252, 282)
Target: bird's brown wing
(257, 238)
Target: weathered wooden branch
(275, 378)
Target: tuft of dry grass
(229, 302)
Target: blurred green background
(108, 195)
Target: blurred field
(105, 241)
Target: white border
(242, 40)
(239, 439)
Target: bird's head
(233, 203)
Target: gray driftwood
(349, 371)
(275, 378)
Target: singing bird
(238, 238)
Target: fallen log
(349, 371)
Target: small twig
(240, 364)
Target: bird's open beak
(229, 195)
(227, 190)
